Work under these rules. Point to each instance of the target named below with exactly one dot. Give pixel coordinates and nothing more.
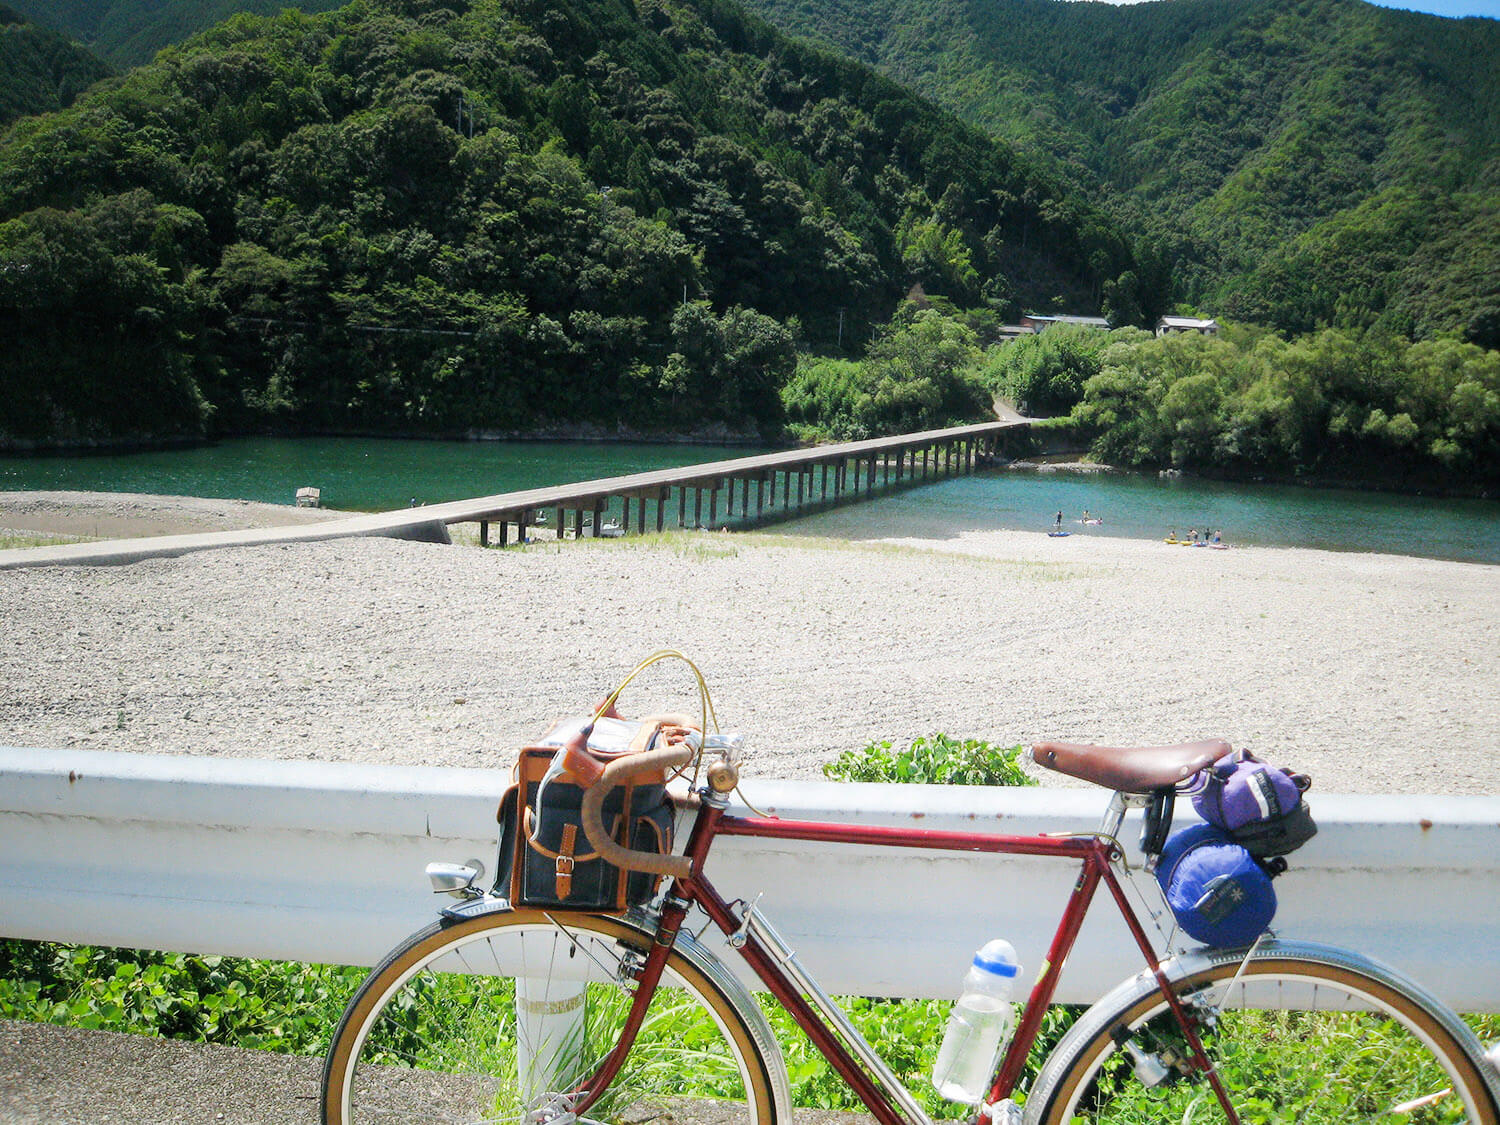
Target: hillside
(129, 32)
(40, 70)
(432, 216)
(1300, 161)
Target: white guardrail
(323, 862)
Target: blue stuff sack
(1217, 891)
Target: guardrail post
(550, 1020)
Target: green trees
(919, 373)
(1336, 405)
(95, 307)
(495, 216)
(1301, 165)
(1044, 374)
(40, 71)
(129, 32)
(728, 367)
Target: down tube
(828, 1044)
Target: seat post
(1114, 816)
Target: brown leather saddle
(1138, 769)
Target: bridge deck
(854, 466)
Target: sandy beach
(1374, 673)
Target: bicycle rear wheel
(503, 1016)
(1299, 1033)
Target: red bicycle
(494, 1013)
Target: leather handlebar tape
(666, 760)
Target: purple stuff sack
(1257, 805)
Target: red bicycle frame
(1094, 852)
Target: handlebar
(665, 760)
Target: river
(369, 474)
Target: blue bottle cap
(997, 957)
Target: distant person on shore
(1059, 521)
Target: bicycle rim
(502, 1019)
(1293, 1039)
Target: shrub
(939, 760)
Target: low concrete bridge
(782, 484)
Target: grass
(1302, 1066)
(293, 1008)
(703, 546)
(17, 540)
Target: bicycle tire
(432, 1035)
(1359, 1041)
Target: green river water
(370, 474)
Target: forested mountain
(1300, 161)
(128, 32)
(40, 70)
(447, 216)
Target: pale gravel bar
(1374, 673)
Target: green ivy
(940, 760)
(273, 1005)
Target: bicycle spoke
(500, 1022)
(1294, 1043)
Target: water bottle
(978, 1026)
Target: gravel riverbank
(1374, 673)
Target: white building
(1038, 323)
(1170, 325)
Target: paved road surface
(62, 1076)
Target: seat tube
(1045, 987)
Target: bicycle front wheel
(504, 1017)
(1298, 1033)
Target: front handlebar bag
(1218, 892)
(545, 860)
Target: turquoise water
(376, 474)
(1138, 506)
